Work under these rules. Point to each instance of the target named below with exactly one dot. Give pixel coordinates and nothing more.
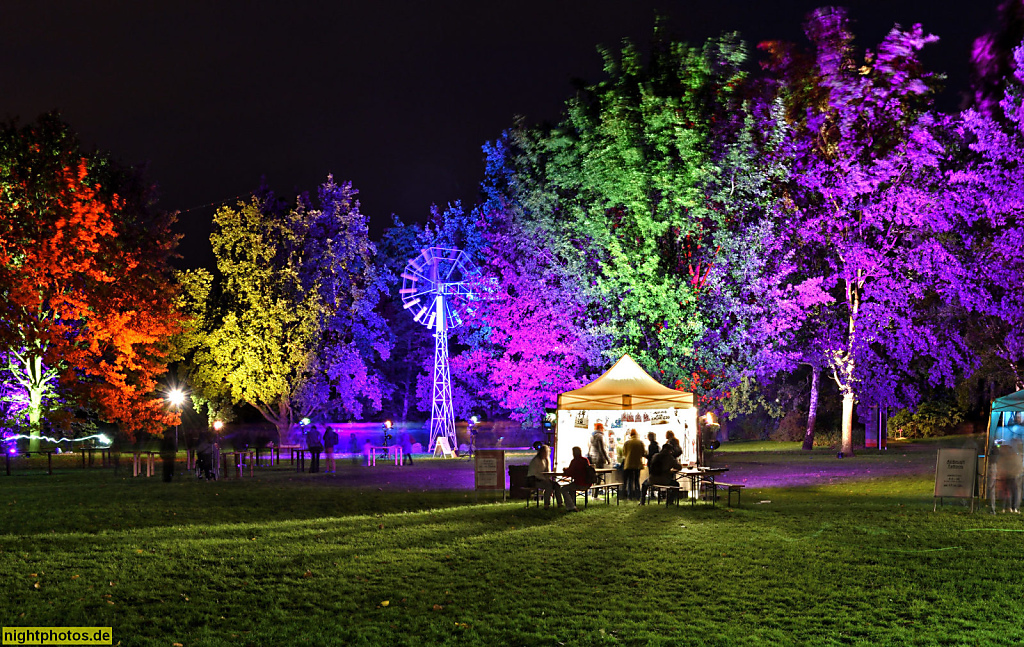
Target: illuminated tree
(866, 207)
(290, 328)
(85, 277)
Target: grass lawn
(292, 558)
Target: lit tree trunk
(812, 407)
(848, 402)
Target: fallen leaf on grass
(32, 575)
(36, 585)
(438, 607)
(308, 574)
(385, 603)
(75, 577)
(177, 645)
(110, 601)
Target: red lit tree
(84, 274)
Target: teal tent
(1007, 420)
(1006, 423)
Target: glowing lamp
(304, 422)
(709, 418)
(176, 397)
(387, 424)
(217, 425)
(474, 420)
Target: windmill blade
(419, 315)
(408, 304)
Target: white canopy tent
(624, 398)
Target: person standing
(353, 448)
(314, 444)
(536, 477)
(613, 457)
(578, 471)
(330, 441)
(406, 442)
(598, 454)
(652, 447)
(1009, 468)
(670, 439)
(632, 463)
(168, 453)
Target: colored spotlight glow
(102, 438)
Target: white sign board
(442, 448)
(490, 469)
(955, 472)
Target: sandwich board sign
(442, 448)
(956, 474)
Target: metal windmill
(436, 289)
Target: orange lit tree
(87, 308)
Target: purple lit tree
(987, 194)
(867, 212)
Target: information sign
(956, 473)
(490, 469)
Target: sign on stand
(490, 470)
(956, 473)
(442, 448)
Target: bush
(792, 427)
(936, 418)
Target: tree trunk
(812, 408)
(35, 418)
(847, 448)
(36, 388)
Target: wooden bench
(598, 489)
(731, 487)
(666, 490)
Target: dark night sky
(396, 97)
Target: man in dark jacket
(315, 445)
(662, 472)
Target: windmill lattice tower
(436, 290)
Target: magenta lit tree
(867, 213)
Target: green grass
(288, 559)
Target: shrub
(792, 427)
(935, 418)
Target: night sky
(396, 97)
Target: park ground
(822, 551)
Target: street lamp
(177, 398)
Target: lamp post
(176, 398)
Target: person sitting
(537, 478)
(598, 454)
(577, 469)
(632, 463)
(662, 472)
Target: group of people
(662, 463)
(1005, 472)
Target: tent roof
(625, 386)
(1012, 402)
